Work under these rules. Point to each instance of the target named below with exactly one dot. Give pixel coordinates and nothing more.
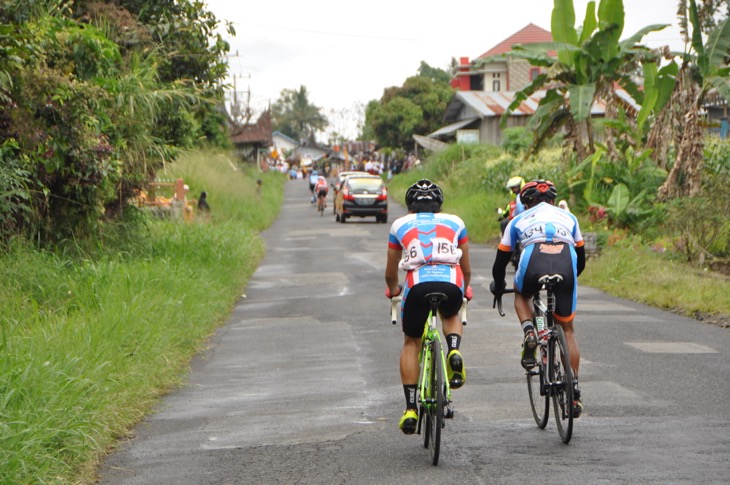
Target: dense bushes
(92, 104)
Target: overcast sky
(348, 51)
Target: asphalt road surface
(302, 385)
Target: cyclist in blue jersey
(552, 244)
(313, 178)
(433, 249)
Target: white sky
(348, 52)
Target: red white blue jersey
(542, 223)
(430, 247)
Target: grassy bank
(473, 178)
(93, 334)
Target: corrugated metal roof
(494, 103)
(531, 34)
(452, 127)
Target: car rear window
(365, 183)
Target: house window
(496, 85)
(534, 72)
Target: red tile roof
(528, 35)
(259, 132)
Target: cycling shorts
(322, 193)
(545, 258)
(415, 308)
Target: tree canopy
(295, 116)
(416, 107)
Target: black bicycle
(552, 376)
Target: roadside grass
(92, 335)
(635, 272)
(473, 177)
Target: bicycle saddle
(436, 298)
(552, 279)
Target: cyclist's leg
(566, 299)
(573, 348)
(453, 329)
(526, 284)
(413, 319)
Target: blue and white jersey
(542, 223)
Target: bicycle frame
(430, 333)
(434, 390)
(554, 373)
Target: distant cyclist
(313, 177)
(552, 244)
(432, 247)
(515, 206)
(321, 189)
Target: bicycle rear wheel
(435, 419)
(539, 399)
(561, 378)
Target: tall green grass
(92, 336)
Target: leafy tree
(295, 116)
(417, 107)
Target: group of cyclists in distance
(432, 248)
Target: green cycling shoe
(455, 369)
(409, 421)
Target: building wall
(519, 74)
(490, 131)
(494, 71)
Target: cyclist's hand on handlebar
(497, 288)
(468, 294)
(388, 294)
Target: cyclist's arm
(465, 264)
(391, 270)
(500, 265)
(580, 252)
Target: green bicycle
(434, 391)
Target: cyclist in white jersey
(552, 244)
(433, 249)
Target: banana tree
(590, 60)
(704, 68)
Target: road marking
(672, 347)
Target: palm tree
(295, 116)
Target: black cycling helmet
(424, 190)
(537, 191)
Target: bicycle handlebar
(394, 309)
(397, 299)
(498, 300)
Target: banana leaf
(562, 26)
(581, 100)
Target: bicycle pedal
(449, 414)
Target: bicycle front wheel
(539, 399)
(561, 379)
(436, 414)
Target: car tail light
(346, 194)
(384, 195)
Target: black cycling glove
(496, 288)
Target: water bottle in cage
(542, 337)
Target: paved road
(302, 385)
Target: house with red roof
(487, 86)
(503, 74)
